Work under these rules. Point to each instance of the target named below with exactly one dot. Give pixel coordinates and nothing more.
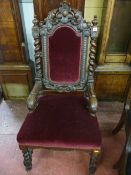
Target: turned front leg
(27, 154)
(94, 156)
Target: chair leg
(120, 123)
(94, 156)
(27, 154)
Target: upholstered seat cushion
(60, 121)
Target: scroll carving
(65, 15)
(32, 100)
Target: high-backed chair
(66, 119)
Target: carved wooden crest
(66, 15)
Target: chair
(124, 162)
(65, 119)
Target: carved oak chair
(65, 120)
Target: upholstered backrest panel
(64, 54)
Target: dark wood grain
(15, 74)
(11, 36)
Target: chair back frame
(64, 16)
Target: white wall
(27, 11)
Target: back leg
(120, 123)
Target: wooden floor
(47, 162)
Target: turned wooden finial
(66, 2)
(95, 21)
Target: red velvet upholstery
(60, 121)
(64, 52)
